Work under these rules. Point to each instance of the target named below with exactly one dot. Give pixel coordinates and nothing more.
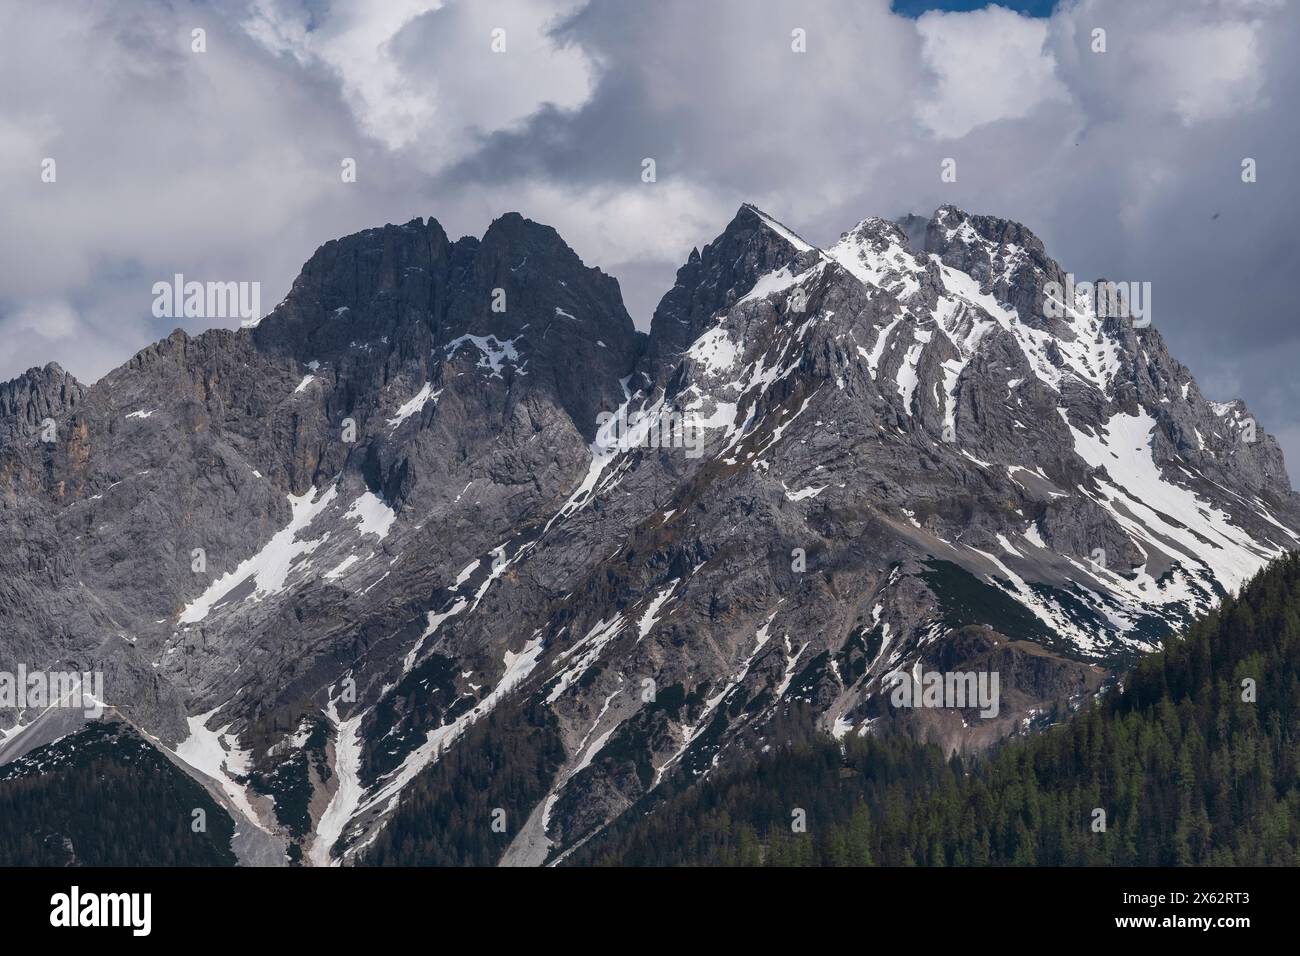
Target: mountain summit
(444, 535)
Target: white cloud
(423, 74)
(989, 65)
(354, 40)
(1192, 63)
(1205, 71)
(49, 320)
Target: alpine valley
(368, 582)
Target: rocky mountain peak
(753, 245)
(36, 395)
(446, 504)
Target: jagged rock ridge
(311, 556)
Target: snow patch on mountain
(785, 232)
(1144, 501)
(349, 791)
(494, 353)
(373, 515)
(216, 754)
(715, 350)
(268, 570)
(415, 405)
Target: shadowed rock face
(312, 556)
(712, 281)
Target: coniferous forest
(105, 797)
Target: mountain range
(420, 567)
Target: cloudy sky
(225, 164)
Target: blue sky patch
(1032, 8)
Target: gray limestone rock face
(446, 476)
